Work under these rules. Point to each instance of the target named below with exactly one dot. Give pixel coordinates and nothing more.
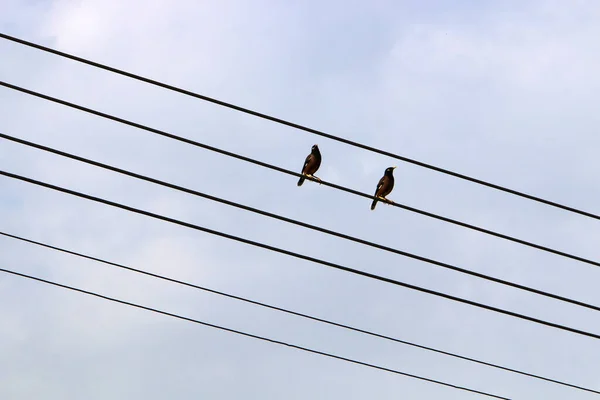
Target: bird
(311, 164)
(384, 187)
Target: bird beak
(394, 167)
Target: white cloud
(503, 92)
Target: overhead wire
(301, 127)
(283, 170)
(299, 223)
(346, 141)
(250, 335)
(296, 313)
(299, 256)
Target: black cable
(300, 223)
(298, 314)
(283, 170)
(127, 303)
(298, 255)
(300, 127)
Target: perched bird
(385, 186)
(311, 164)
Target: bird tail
(373, 204)
(301, 181)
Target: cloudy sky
(504, 92)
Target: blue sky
(506, 93)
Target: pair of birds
(313, 162)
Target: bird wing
(379, 185)
(308, 159)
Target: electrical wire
(250, 335)
(299, 223)
(298, 255)
(301, 127)
(295, 313)
(283, 170)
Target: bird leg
(385, 200)
(316, 178)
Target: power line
(155, 310)
(298, 314)
(298, 255)
(299, 223)
(283, 170)
(301, 127)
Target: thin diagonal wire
(301, 127)
(298, 255)
(285, 171)
(300, 223)
(155, 310)
(295, 313)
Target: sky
(503, 91)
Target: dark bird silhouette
(384, 187)
(311, 164)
